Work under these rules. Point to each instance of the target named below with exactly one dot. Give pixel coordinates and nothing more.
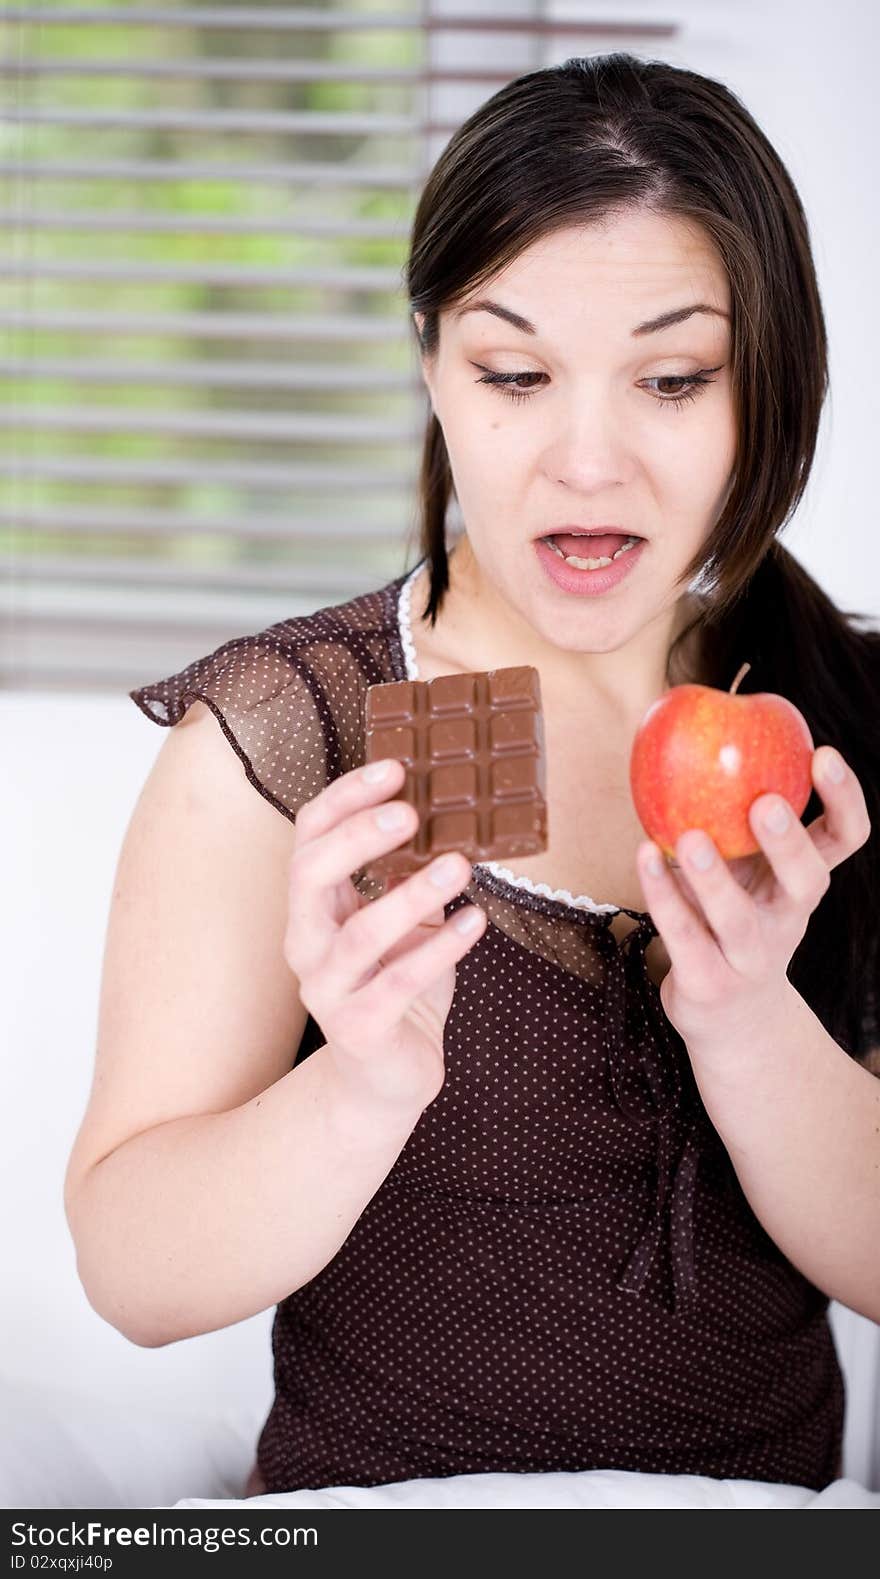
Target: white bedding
(596, 1488)
(61, 1448)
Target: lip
(589, 531)
(587, 583)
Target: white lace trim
(561, 895)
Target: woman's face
(597, 439)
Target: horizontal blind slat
(51, 622)
(263, 475)
(212, 326)
(278, 19)
(135, 571)
(308, 123)
(103, 520)
(293, 71)
(283, 19)
(293, 427)
(253, 375)
(200, 225)
(235, 274)
(56, 647)
(321, 173)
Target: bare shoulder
(198, 766)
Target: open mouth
(565, 544)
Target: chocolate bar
(474, 750)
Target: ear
(419, 320)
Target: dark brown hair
(598, 136)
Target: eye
(507, 380)
(695, 382)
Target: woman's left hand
(731, 929)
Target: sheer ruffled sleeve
(290, 701)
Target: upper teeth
(592, 564)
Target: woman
(572, 1190)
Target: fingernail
(390, 817)
(701, 855)
(834, 768)
(777, 818)
(654, 862)
(376, 772)
(443, 871)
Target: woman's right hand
(377, 976)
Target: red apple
(700, 757)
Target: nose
(589, 452)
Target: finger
(407, 974)
(340, 839)
(393, 991)
(394, 880)
(336, 835)
(693, 952)
(346, 795)
(800, 870)
(844, 825)
(727, 908)
(381, 929)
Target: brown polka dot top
(561, 1271)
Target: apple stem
(743, 671)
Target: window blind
(210, 402)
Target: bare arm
(206, 1220)
(209, 1178)
(801, 1122)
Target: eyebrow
(665, 320)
